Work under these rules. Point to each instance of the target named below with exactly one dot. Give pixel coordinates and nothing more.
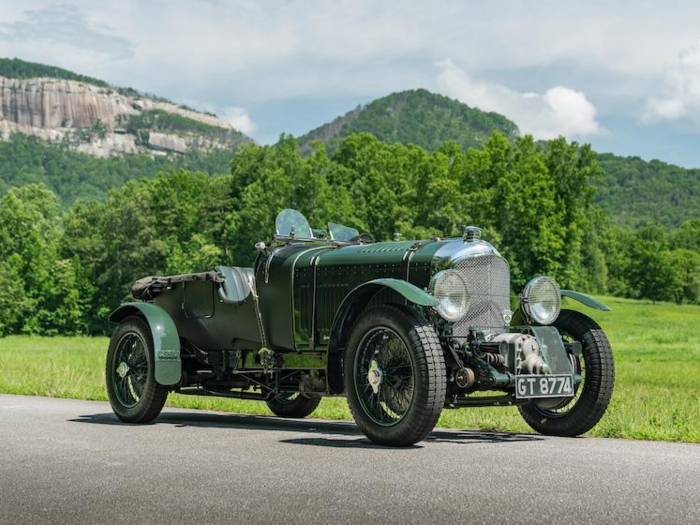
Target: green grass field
(657, 389)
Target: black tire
(133, 392)
(410, 407)
(589, 405)
(293, 405)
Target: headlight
(449, 288)
(541, 300)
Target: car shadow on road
(342, 434)
(462, 437)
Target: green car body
(282, 329)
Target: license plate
(552, 385)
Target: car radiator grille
(488, 282)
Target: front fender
(350, 309)
(519, 317)
(585, 299)
(411, 292)
(355, 302)
(166, 340)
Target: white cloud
(559, 111)
(240, 119)
(258, 50)
(682, 83)
(62, 26)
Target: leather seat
(237, 282)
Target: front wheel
(293, 405)
(394, 376)
(132, 389)
(593, 394)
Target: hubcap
(374, 376)
(122, 369)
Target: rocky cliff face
(94, 119)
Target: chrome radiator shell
(487, 276)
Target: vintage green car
(403, 329)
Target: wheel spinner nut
(374, 376)
(122, 369)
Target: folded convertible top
(148, 287)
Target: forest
(75, 176)
(63, 269)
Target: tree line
(63, 271)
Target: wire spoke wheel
(134, 393)
(394, 375)
(384, 377)
(130, 369)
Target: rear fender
(352, 307)
(166, 341)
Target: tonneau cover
(148, 287)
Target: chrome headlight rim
(451, 306)
(541, 312)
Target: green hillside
(77, 176)
(634, 191)
(414, 117)
(16, 68)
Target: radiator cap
(471, 233)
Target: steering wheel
(363, 238)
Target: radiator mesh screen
(488, 282)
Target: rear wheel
(581, 413)
(132, 389)
(293, 405)
(394, 376)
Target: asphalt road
(65, 461)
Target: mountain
(82, 137)
(632, 191)
(417, 117)
(90, 116)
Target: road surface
(65, 461)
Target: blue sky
(624, 76)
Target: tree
(687, 236)
(39, 287)
(687, 284)
(652, 273)
(574, 170)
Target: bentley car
(402, 329)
